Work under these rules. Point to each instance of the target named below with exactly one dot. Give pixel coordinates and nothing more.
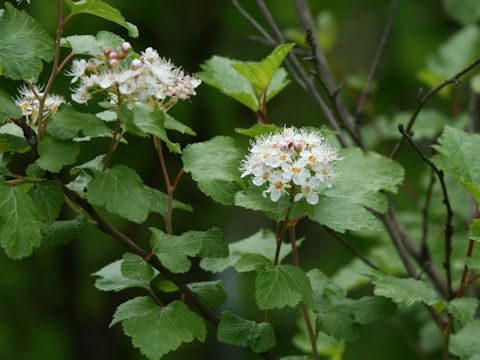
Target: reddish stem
(159, 302)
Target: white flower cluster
(299, 160)
(27, 100)
(150, 79)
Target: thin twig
(376, 61)
(424, 246)
(448, 220)
(155, 297)
(454, 79)
(351, 248)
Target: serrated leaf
(249, 262)
(458, 155)
(404, 291)
(80, 183)
(103, 10)
(155, 330)
(159, 283)
(262, 242)
(122, 192)
(159, 202)
(12, 139)
(63, 232)
(260, 74)
(218, 72)
(55, 154)
(234, 330)
(464, 11)
(49, 198)
(213, 244)
(342, 214)
(210, 292)
(93, 165)
(134, 267)
(8, 109)
(474, 232)
(92, 45)
(364, 175)
(33, 170)
(19, 222)
(258, 129)
(173, 251)
(141, 122)
(214, 164)
(463, 309)
(68, 123)
(24, 43)
(280, 286)
(325, 291)
(110, 278)
(465, 342)
(173, 124)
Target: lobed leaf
(64, 231)
(465, 342)
(463, 309)
(210, 292)
(49, 198)
(213, 244)
(8, 109)
(110, 278)
(55, 154)
(12, 139)
(136, 268)
(92, 45)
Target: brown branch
(376, 61)
(351, 248)
(448, 220)
(454, 79)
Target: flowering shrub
(334, 176)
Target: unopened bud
(89, 67)
(298, 145)
(288, 140)
(282, 145)
(113, 62)
(113, 55)
(107, 50)
(126, 46)
(136, 64)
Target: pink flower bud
(89, 67)
(107, 50)
(126, 46)
(282, 145)
(136, 64)
(113, 62)
(288, 140)
(113, 55)
(298, 145)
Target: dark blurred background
(50, 309)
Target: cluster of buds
(291, 160)
(28, 99)
(124, 78)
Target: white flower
(291, 160)
(77, 70)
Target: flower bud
(282, 145)
(113, 62)
(136, 64)
(113, 55)
(288, 140)
(107, 50)
(90, 67)
(126, 46)
(298, 145)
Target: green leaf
(464, 11)
(80, 183)
(465, 342)
(463, 309)
(103, 10)
(24, 43)
(325, 291)
(404, 291)
(341, 215)
(260, 74)
(281, 285)
(94, 165)
(159, 283)
(8, 109)
(33, 170)
(143, 123)
(49, 198)
(210, 292)
(458, 155)
(155, 330)
(258, 129)
(173, 251)
(19, 222)
(68, 124)
(474, 232)
(55, 154)
(172, 124)
(249, 262)
(214, 164)
(122, 192)
(135, 268)
(262, 242)
(4, 161)
(364, 175)
(92, 45)
(110, 278)
(213, 244)
(12, 139)
(234, 330)
(63, 232)
(326, 345)
(473, 264)
(159, 202)
(218, 72)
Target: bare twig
(376, 61)
(454, 79)
(351, 248)
(448, 220)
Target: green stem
(112, 146)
